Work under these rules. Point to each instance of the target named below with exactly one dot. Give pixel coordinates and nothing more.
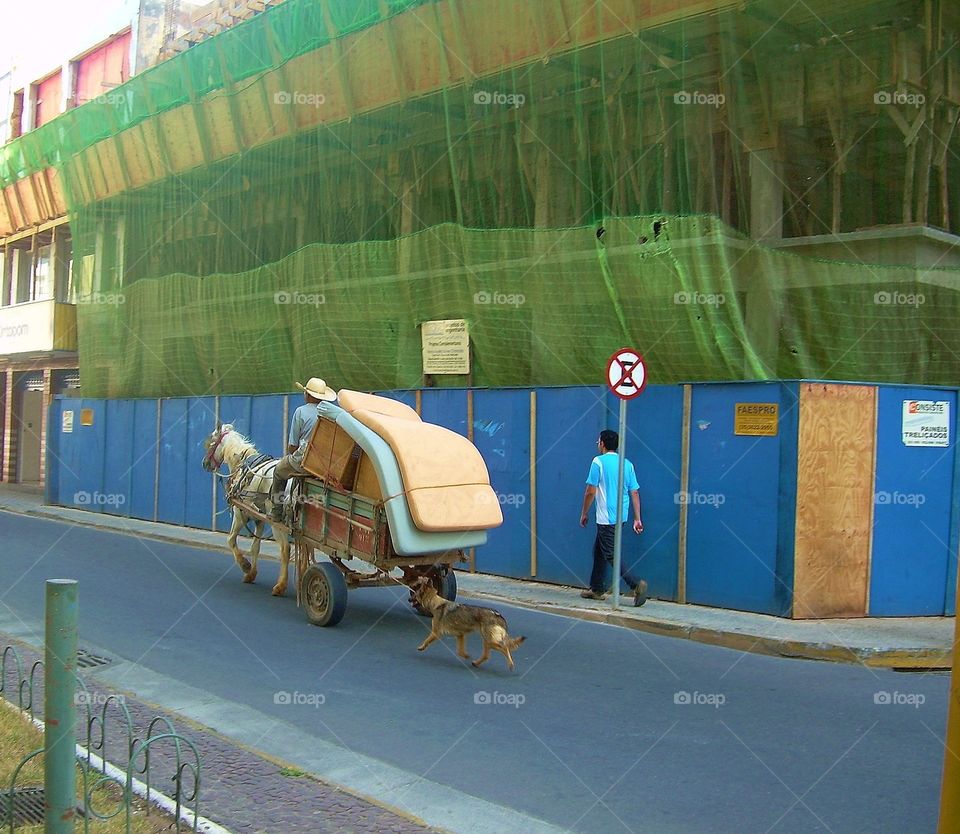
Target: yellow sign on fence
(756, 419)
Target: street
(599, 729)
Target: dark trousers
(603, 556)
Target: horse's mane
(235, 444)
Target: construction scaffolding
(306, 188)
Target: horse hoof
(279, 590)
(249, 577)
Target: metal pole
(618, 530)
(950, 786)
(59, 711)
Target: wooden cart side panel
(332, 455)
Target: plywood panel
(367, 483)
(837, 438)
(139, 166)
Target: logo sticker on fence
(66, 422)
(756, 419)
(926, 423)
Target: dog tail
(515, 641)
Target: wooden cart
(346, 525)
(354, 505)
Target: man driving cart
(302, 424)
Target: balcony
(38, 327)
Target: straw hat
(318, 389)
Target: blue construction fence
(142, 459)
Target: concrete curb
(919, 659)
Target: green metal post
(59, 711)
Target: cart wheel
(445, 581)
(324, 593)
(448, 585)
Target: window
(42, 274)
(6, 106)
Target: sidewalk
(893, 642)
(241, 790)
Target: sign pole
(618, 530)
(626, 378)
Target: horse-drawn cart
(384, 488)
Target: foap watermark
(501, 299)
(899, 97)
(311, 299)
(700, 98)
(96, 699)
(505, 499)
(710, 299)
(111, 98)
(113, 299)
(299, 97)
(700, 499)
(489, 97)
(900, 499)
(299, 699)
(899, 699)
(699, 699)
(500, 699)
(99, 499)
(892, 298)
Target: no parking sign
(626, 373)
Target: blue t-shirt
(603, 476)
(301, 426)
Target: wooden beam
(229, 92)
(199, 120)
(396, 62)
(338, 62)
(281, 71)
(777, 23)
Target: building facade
(743, 192)
(39, 289)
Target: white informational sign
(67, 422)
(446, 346)
(926, 423)
(27, 327)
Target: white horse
(226, 445)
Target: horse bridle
(210, 460)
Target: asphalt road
(599, 729)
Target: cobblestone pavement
(239, 790)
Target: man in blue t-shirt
(602, 487)
(304, 419)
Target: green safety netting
(296, 196)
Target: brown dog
(460, 620)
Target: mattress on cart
(353, 401)
(444, 476)
(408, 540)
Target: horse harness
(240, 479)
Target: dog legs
(485, 656)
(462, 646)
(431, 638)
